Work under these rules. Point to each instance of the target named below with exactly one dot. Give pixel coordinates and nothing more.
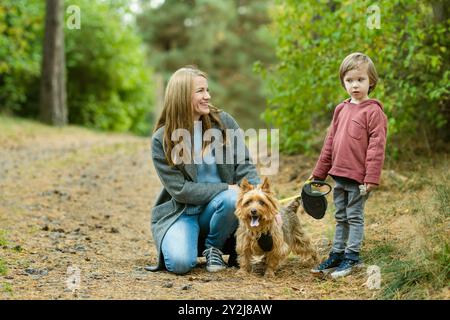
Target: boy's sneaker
(333, 261)
(346, 267)
(214, 260)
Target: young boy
(353, 154)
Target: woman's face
(200, 97)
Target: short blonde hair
(352, 62)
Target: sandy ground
(75, 213)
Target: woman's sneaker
(346, 267)
(214, 260)
(329, 265)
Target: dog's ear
(245, 185)
(265, 185)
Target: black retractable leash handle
(313, 197)
(309, 184)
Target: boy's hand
(311, 177)
(370, 187)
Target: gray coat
(180, 186)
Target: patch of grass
(7, 288)
(17, 248)
(3, 241)
(12, 126)
(381, 253)
(442, 198)
(17, 130)
(287, 291)
(411, 280)
(418, 269)
(3, 268)
(401, 278)
(85, 156)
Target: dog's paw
(258, 268)
(269, 273)
(242, 272)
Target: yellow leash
(288, 199)
(293, 197)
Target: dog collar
(265, 242)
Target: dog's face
(256, 207)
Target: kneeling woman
(195, 209)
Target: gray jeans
(349, 216)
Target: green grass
(3, 241)
(380, 253)
(417, 272)
(442, 198)
(7, 288)
(3, 245)
(406, 281)
(13, 127)
(400, 278)
(415, 279)
(3, 268)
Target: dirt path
(76, 201)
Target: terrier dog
(266, 231)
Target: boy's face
(357, 83)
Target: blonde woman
(194, 213)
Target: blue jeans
(214, 223)
(349, 216)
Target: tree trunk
(440, 10)
(53, 105)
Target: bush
(409, 51)
(108, 80)
(21, 28)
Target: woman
(195, 209)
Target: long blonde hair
(177, 112)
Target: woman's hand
(234, 187)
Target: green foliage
(410, 51)
(7, 288)
(3, 245)
(21, 28)
(3, 241)
(109, 83)
(224, 39)
(3, 268)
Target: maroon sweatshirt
(354, 146)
